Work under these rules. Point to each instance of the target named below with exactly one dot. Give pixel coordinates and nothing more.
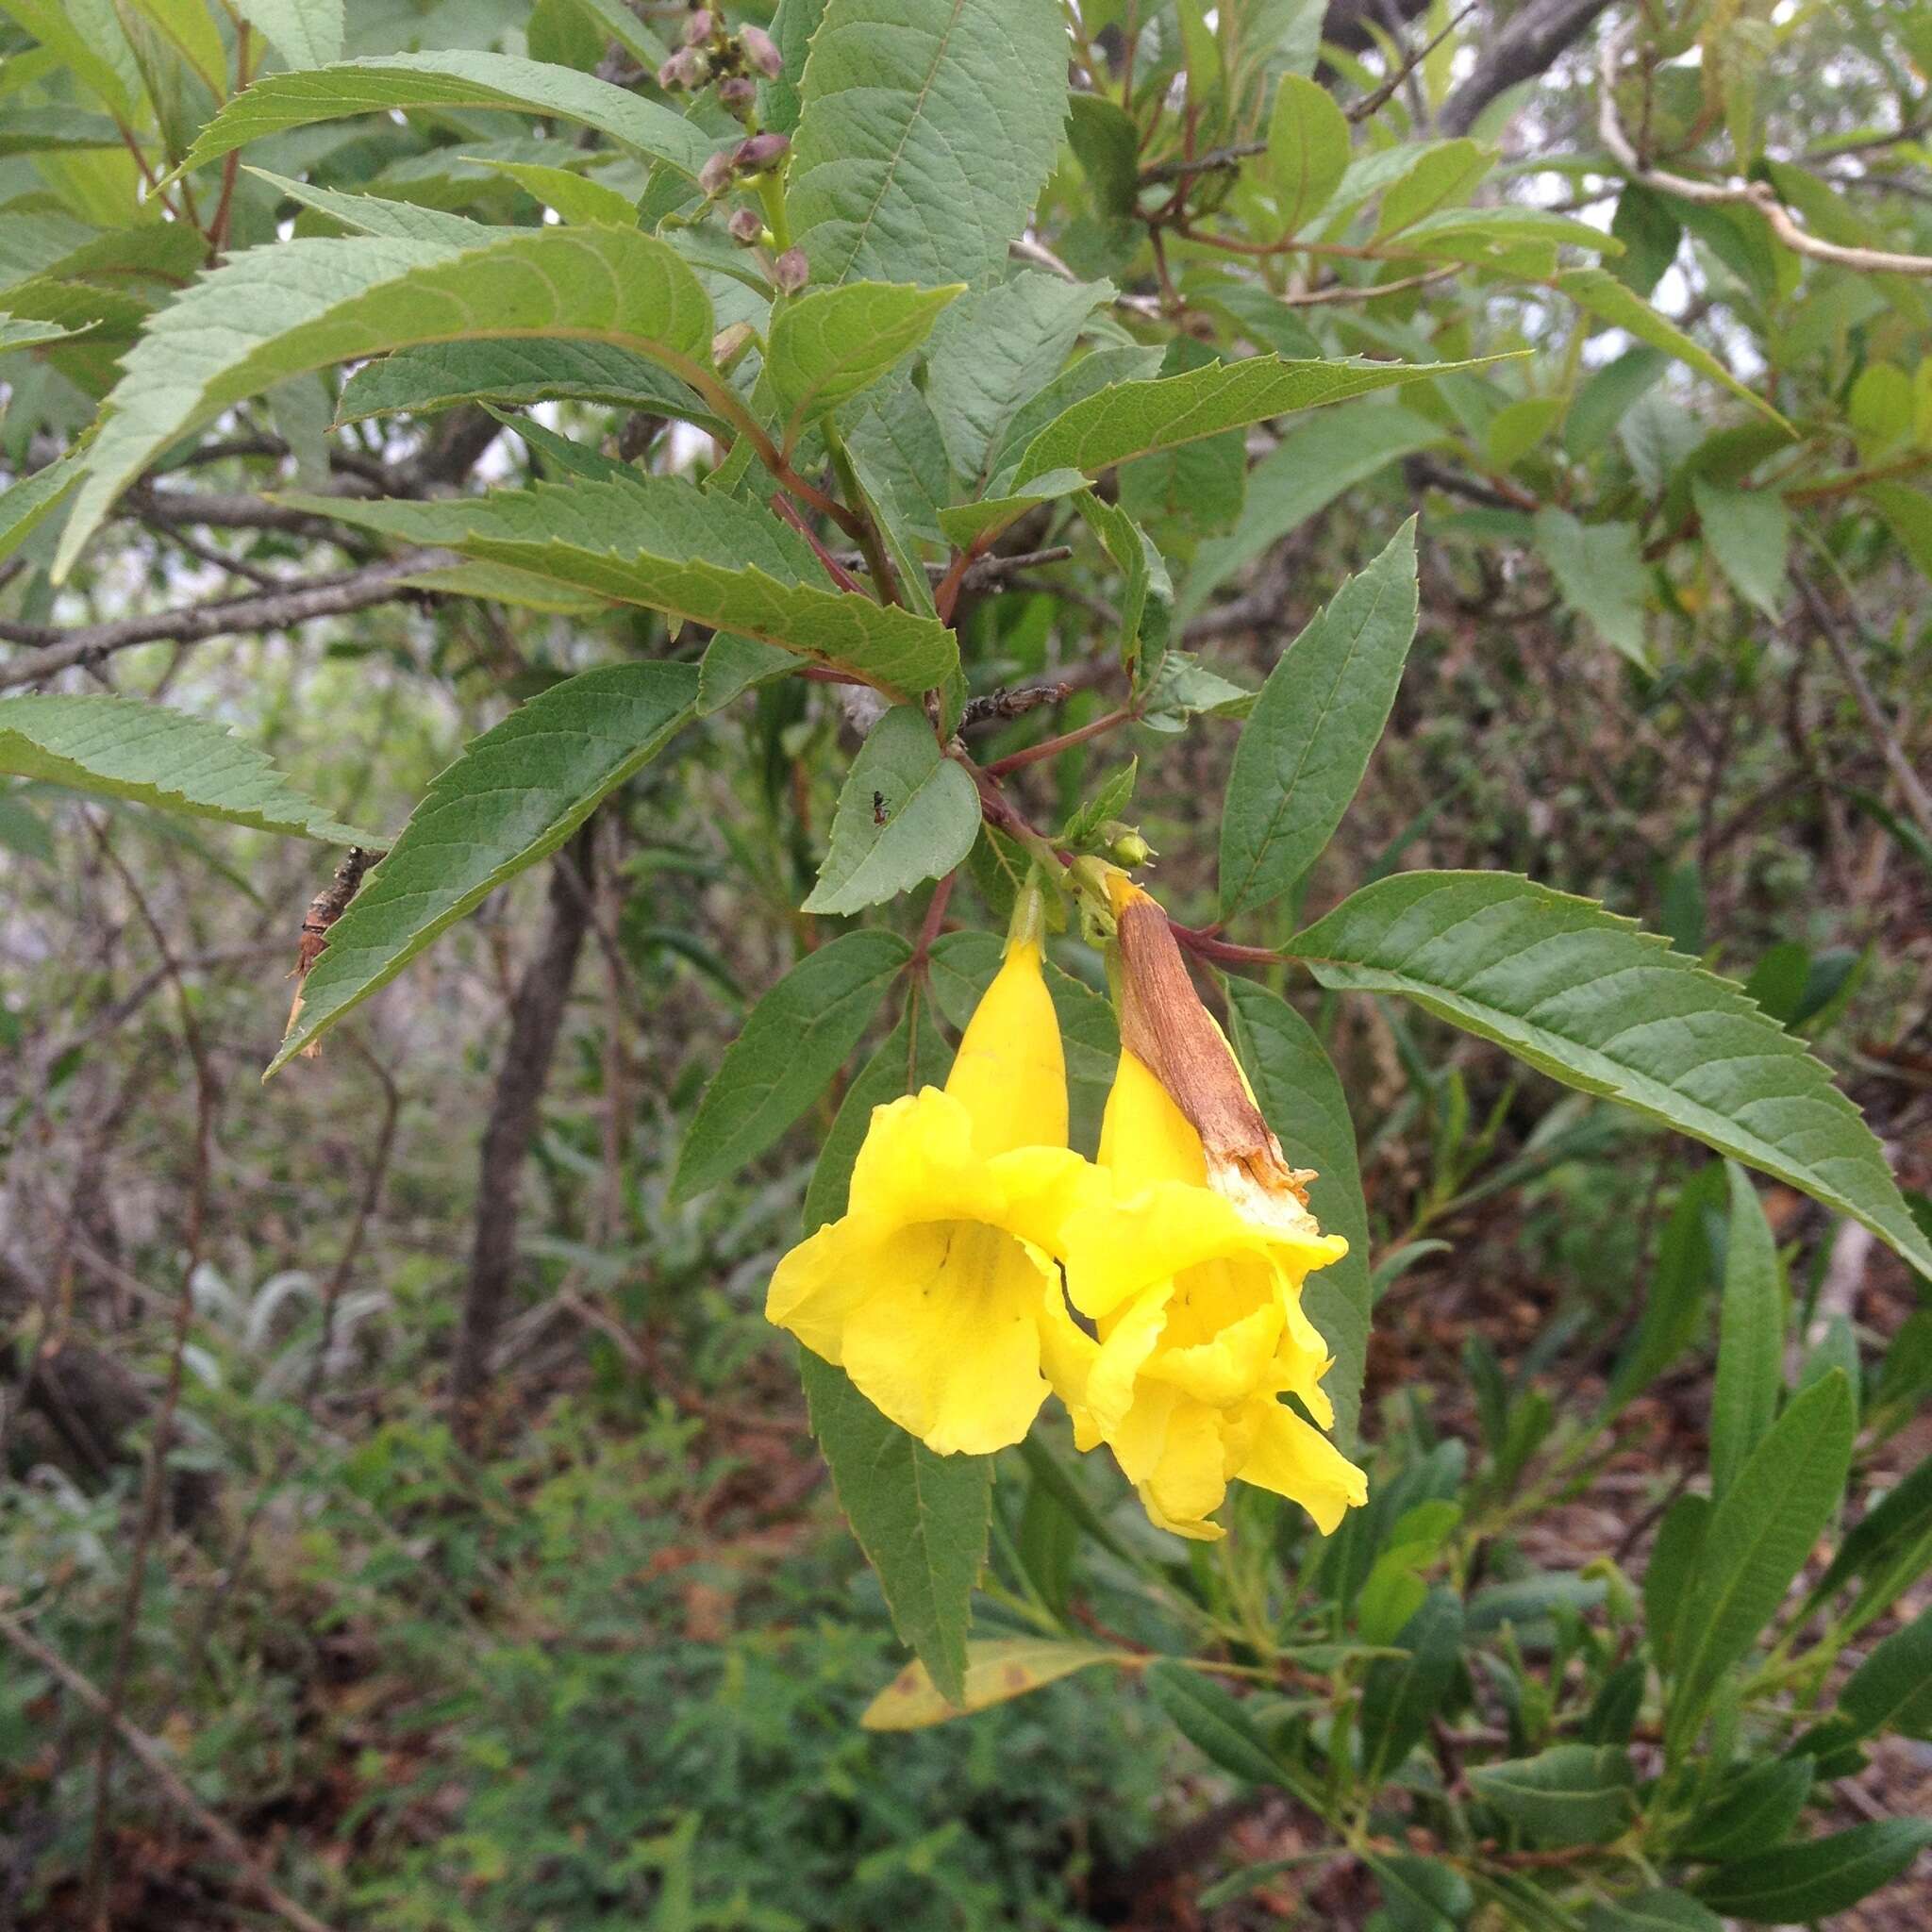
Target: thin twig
(1757, 194)
(1918, 800)
(60, 649)
(154, 1485)
(154, 1760)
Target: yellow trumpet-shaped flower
(937, 1292)
(1191, 1268)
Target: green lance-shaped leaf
(1798, 1884)
(921, 1519)
(798, 1036)
(1891, 1529)
(120, 748)
(1571, 1795)
(514, 797)
(1401, 1694)
(998, 1668)
(277, 312)
(925, 131)
(1758, 1539)
(1752, 1810)
(1587, 998)
(1309, 739)
(1301, 1097)
(27, 505)
(1310, 466)
(1892, 1691)
(22, 332)
(454, 77)
(1214, 1721)
(831, 344)
(907, 812)
(1599, 568)
(1308, 150)
(1749, 532)
(1421, 1894)
(373, 214)
(306, 33)
(1597, 290)
(661, 542)
(1658, 1910)
(511, 374)
(1751, 1339)
(1133, 419)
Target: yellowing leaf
(997, 1668)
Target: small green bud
(1123, 844)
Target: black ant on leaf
(878, 808)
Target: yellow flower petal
(1301, 1463)
(1010, 1074)
(1144, 1137)
(1127, 1339)
(948, 1342)
(1115, 1249)
(815, 1288)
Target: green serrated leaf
(798, 1036)
(121, 748)
(453, 78)
(1585, 997)
(511, 374)
(732, 664)
(830, 344)
(992, 350)
(514, 797)
(969, 523)
(1758, 1539)
(1132, 419)
(908, 813)
(925, 131)
(1751, 1339)
(1571, 1795)
(1301, 1097)
(277, 312)
(1316, 723)
(660, 542)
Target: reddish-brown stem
(834, 569)
(218, 228)
(945, 594)
(1204, 945)
(929, 925)
(823, 674)
(1052, 747)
